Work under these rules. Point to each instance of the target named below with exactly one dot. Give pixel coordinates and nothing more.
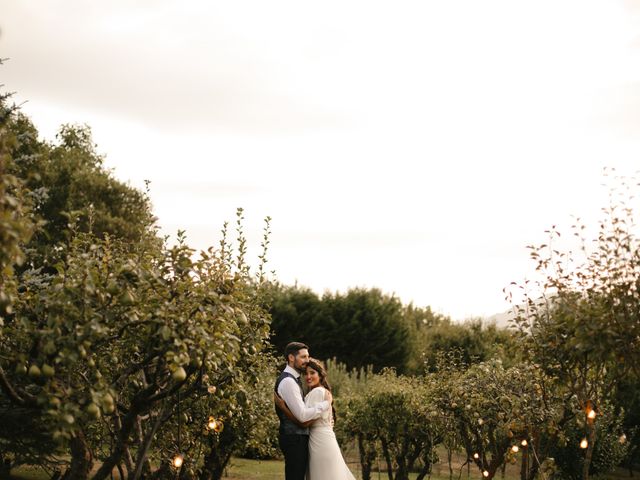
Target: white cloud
(415, 146)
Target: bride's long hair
(318, 366)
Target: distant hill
(502, 320)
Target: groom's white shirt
(290, 393)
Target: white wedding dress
(325, 458)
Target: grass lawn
(239, 469)
(243, 469)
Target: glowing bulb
(485, 473)
(476, 456)
(219, 426)
(515, 449)
(591, 415)
(623, 438)
(212, 424)
(584, 443)
(524, 443)
(178, 460)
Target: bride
(325, 458)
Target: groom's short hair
(293, 348)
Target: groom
(294, 440)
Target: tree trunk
(81, 458)
(122, 441)
(402, 473)
(524, 470)
(591, 438)
(214, 465)
(366, 459)
(401, 459)
(387, 457)
(5, 467)
(144, 446)
(128, 459)
(533, 471)
(426, 469)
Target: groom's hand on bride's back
(279, 402)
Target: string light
(219, 426)
(476, 456)
(588, 409)
(524, 442)
(178, 460)
(623, 438)
(485, 473)
(212, 424)
(515, 449)
(584, 443)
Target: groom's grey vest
(287, 427)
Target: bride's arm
(282, 405)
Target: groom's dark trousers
(294, 441)
(296, 455)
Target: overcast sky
(414, 146)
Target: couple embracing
(306, 423)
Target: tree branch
(24, 400)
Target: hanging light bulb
(515, 449)
(219, 426)
(212, 424)
(584, 443)
(178, 460)
(476, 456)
(623, 438)
(589, 411)
(485, 474)
(524, 442)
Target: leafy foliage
(609, 449)
(471, 341)
(580, 321)
(394, 418)
(498, 411)
(358, 328)
(108, 334)
(70, 189)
